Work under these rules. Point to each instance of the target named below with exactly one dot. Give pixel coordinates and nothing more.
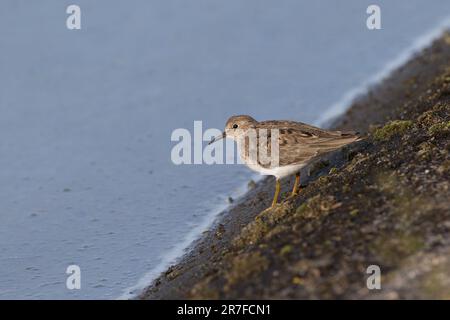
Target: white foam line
(178, 251)
(419, 44)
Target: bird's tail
(349, 134)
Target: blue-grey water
(86, 118)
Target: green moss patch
(245, 266)
(393, 128)
(391, 249)
(439, 129)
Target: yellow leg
(296, 184)
(277, 192)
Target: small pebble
(251, 184)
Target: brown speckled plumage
(298, 142)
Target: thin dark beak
(223, 135)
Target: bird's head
(236, 126)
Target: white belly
(278, 172)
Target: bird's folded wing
(300, 143)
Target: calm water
(86, 118)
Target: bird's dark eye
(235, 126)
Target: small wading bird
(298, 144)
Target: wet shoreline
(318, 244)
